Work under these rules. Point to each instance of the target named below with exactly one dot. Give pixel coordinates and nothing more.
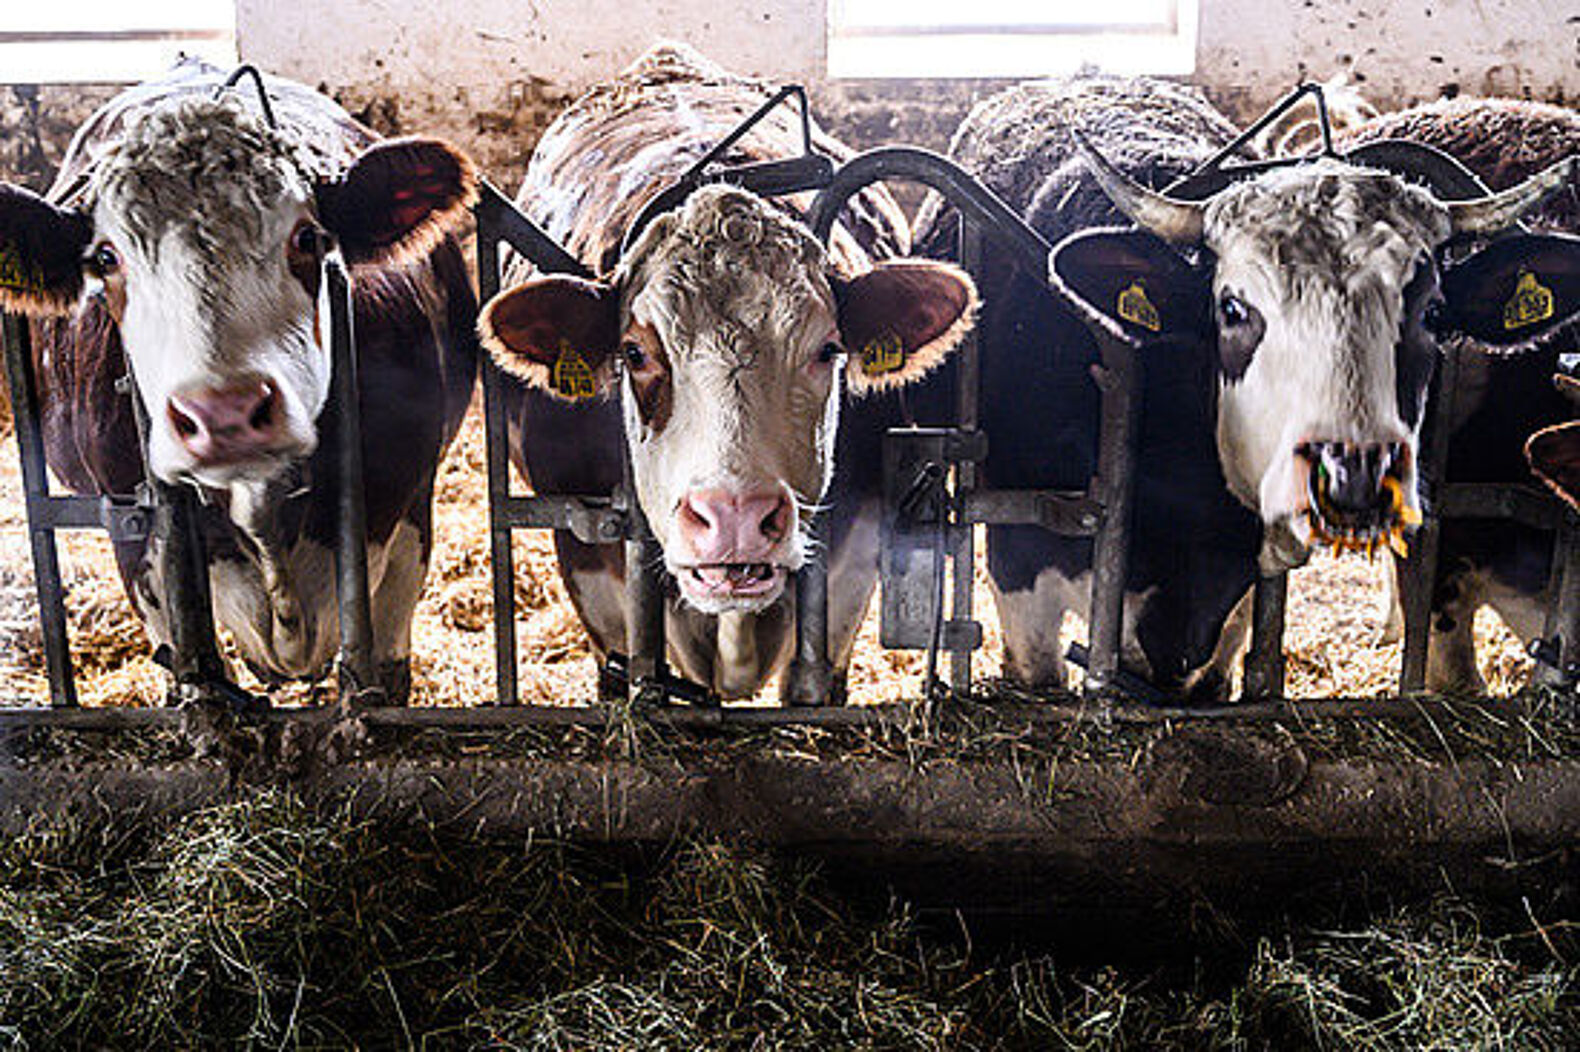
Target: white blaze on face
(1312, 264)
(198, 208)
(729, 393)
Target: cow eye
(104, 259)
(1434, 318)
(829, 352)
(1232, 311)
(306, 239)
(635, 357)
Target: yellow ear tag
(16, 274)
(882, 354)
(573, 377)
(1532, 302)
(1135, 307)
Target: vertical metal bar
(35, 487)
(358, 676)
(183, 566)
(1418, 572)
(1264, 662)
(1113, 485)
(497, 432)
(809, 679)
(644, 602)
(968, 396)
(1562, 628)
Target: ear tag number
(1532, 302)
(17, 274)
(1134, 307)
(573, 377)
(882, 354)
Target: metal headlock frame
(167, 515)
(1558, 651)
(1102, 511)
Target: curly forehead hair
(201, 164)
(722, 234)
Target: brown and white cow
(184, 238)
(721, 346)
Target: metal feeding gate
(1239, 804)
(932, 495)
(927, 522)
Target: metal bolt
(1088, 521)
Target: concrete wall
(492, 73)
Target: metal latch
(919, 530)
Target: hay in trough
(265, 924)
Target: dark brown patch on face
(1415, 355)
(1240, 331)
(645, 360)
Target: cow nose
(1350, 475)
(227, 423)
(727, 526)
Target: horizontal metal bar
(1070, 514)
(1475, 500)
(504, 718)
(592, 519)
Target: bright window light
(1009, 38)
(110, 41)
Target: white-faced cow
(184, 239)
(1503, 399)
(1288, 331)
(721, 344)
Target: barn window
(1009, 38)
(110, 41)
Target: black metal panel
(358, 676)
(35, 485)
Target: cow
(1502, 401)
(1287, 329)
(745, 371)
(182, 244)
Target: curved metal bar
(1443, 174)
(975, 201)
(249, 70)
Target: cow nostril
(775, 522)
(692, 517)
(185, 426)
(262, 416)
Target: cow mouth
(726, 581)
(1384, 524)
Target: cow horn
(1177, 222)
(1495, 212)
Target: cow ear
(901, 318)
(1132, 285)
(1514, 291)
(398, 200)
(41, 250)
(1554, 454)
(559, 334)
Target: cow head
(726, 332)
(1324, 291)
(202, 236)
